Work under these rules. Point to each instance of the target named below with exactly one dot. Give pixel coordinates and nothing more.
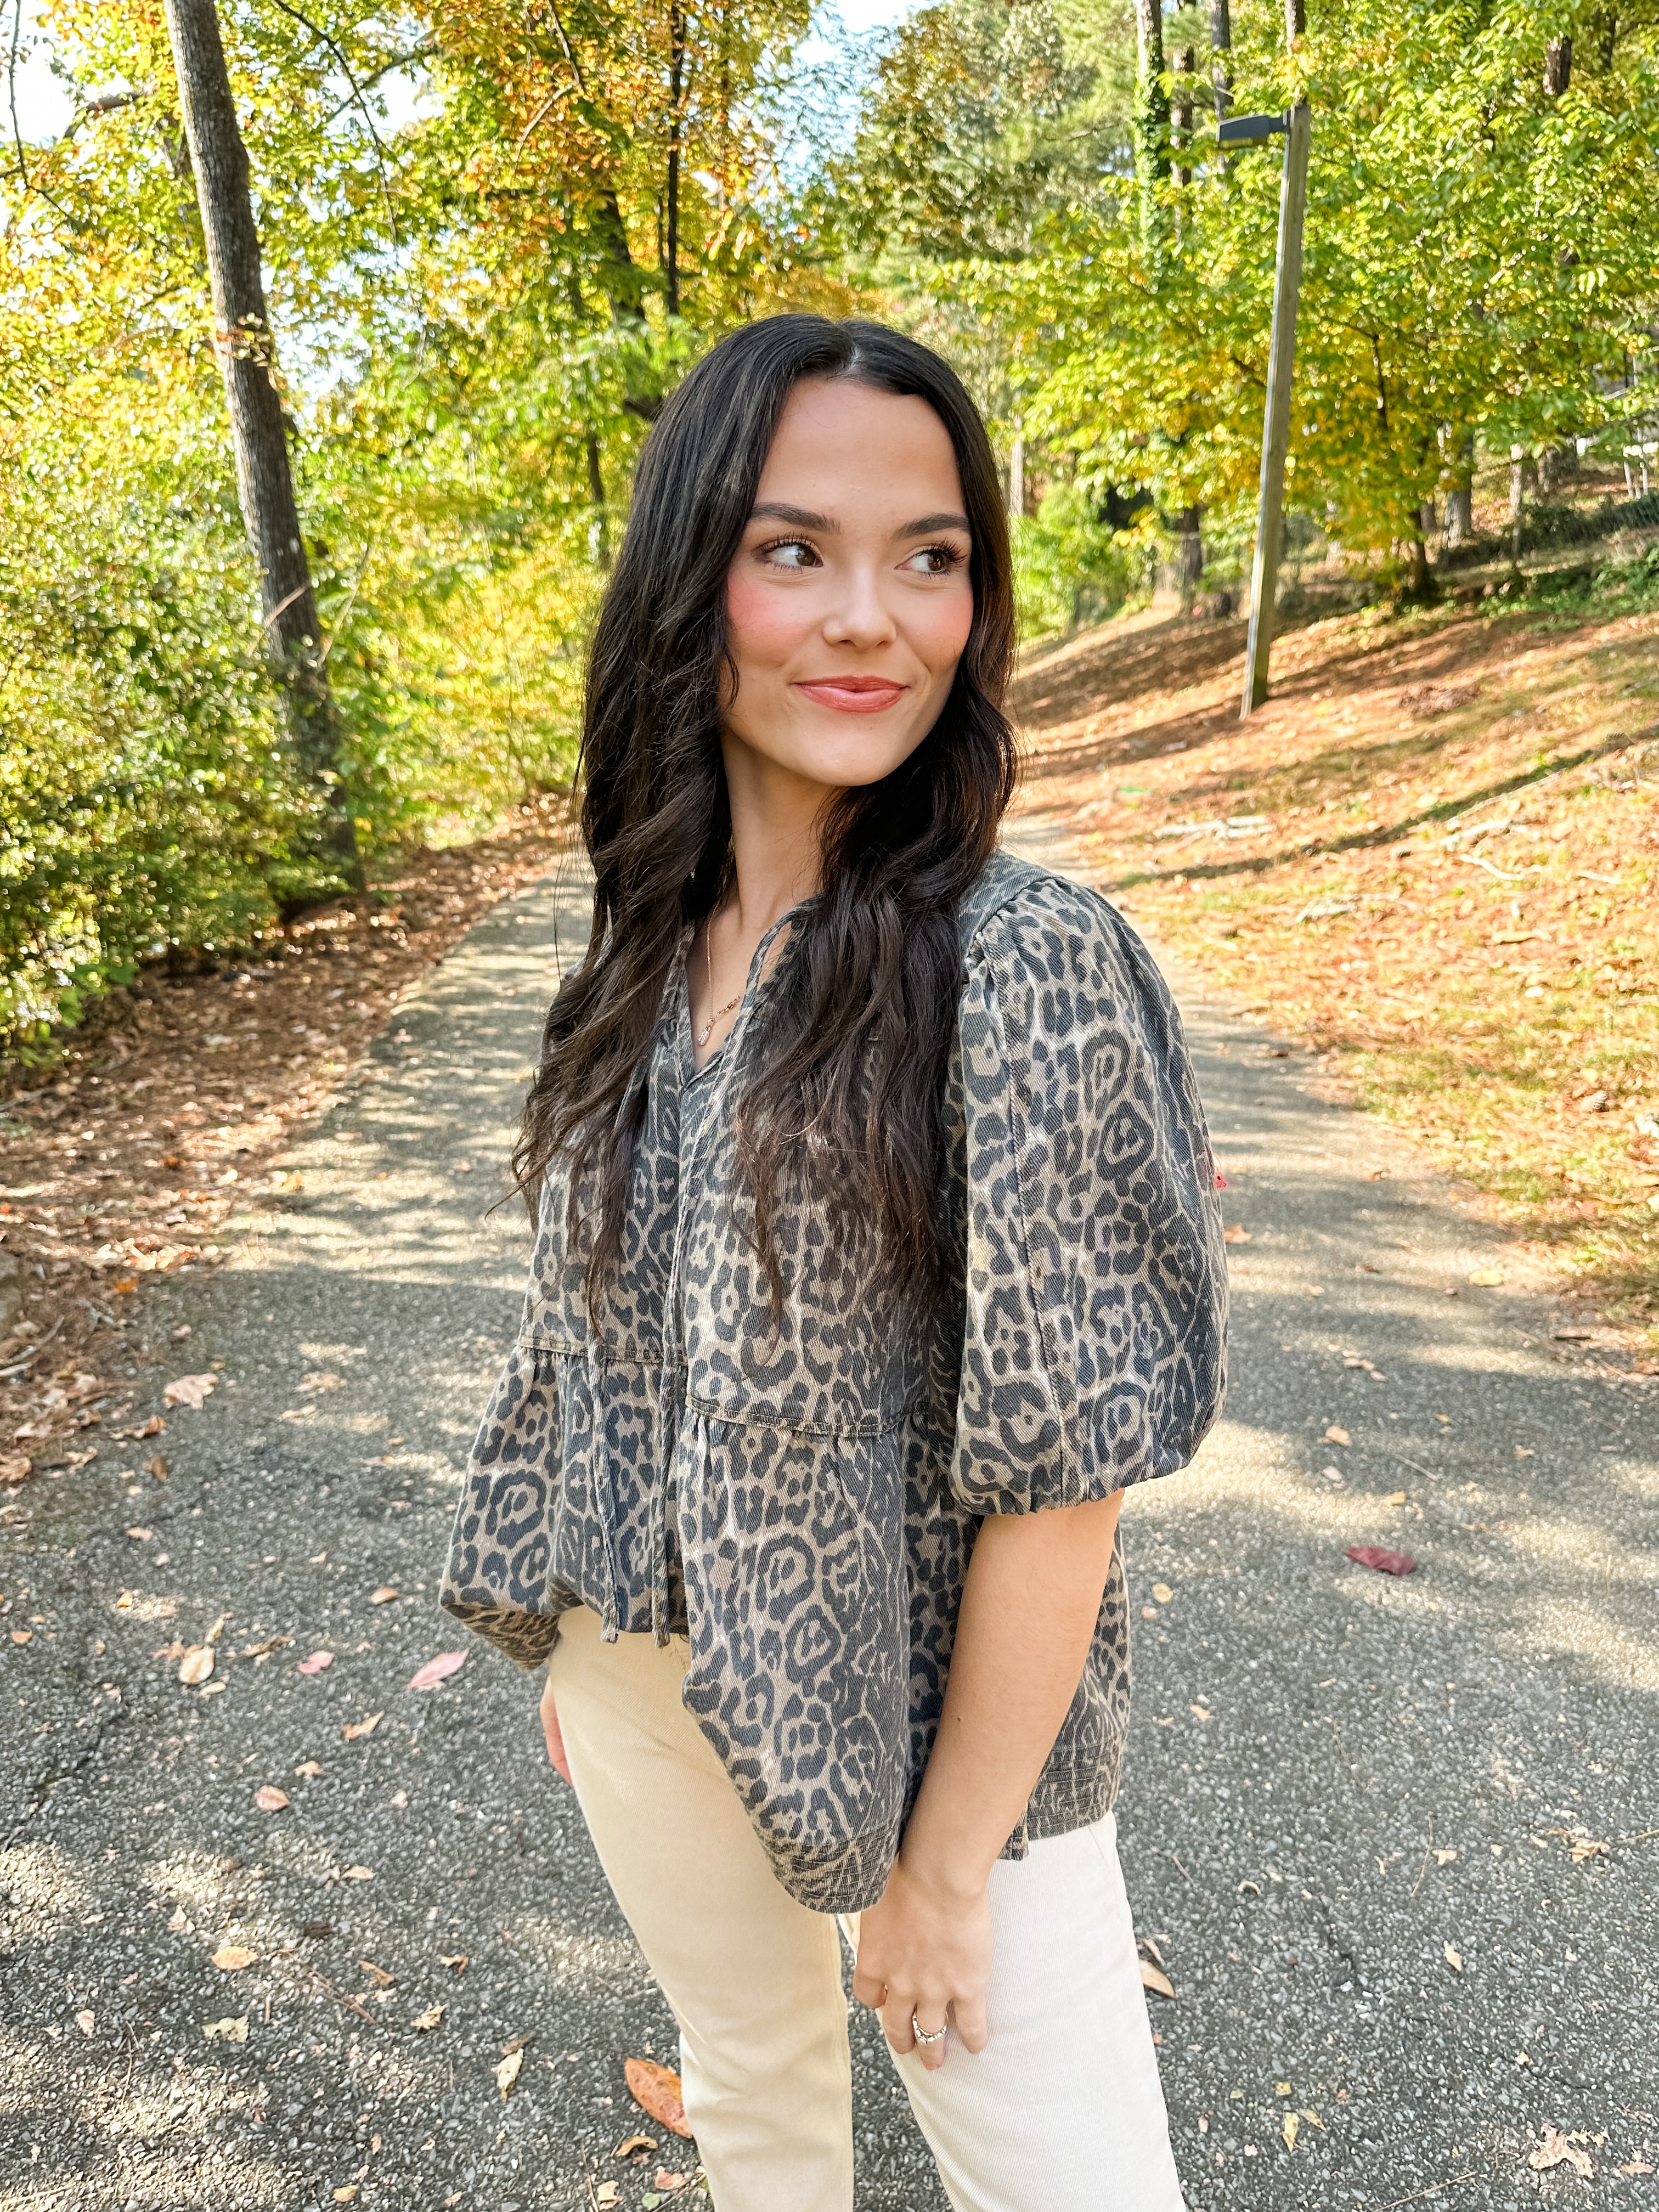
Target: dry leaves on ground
(437, 1670)
(1383, 1562)
(191, 1390)
(269, 1799)
(231, 1958)
(1557, 2149)
(656, 2090)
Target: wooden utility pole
(265, 483)
(1297, 127)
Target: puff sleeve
(1094, 1348)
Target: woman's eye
(790, 553)
(934, 561)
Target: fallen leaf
(269, 1798)
(1445, 1858)
(231, 1958)
(430, 2018)
(1235, 1233)
(1335, 1435)
(320, 1382)
(154, 1426)
(22, 1635)
(656, 2089)
(358, 1874)
(1163, 1593)
(140, 1535)
(437, 1670)
(15, 1468)
(1290, 2130)
(508, 2072)
(634, 2142)
(345, 2192)
(1454, 1958)
(384, 1596)
(157, 1466)
(1200, 1712)
(378, 1975)
(1281, 2088)
(1486, 1278)
(1556, 2149)
(1153, 1979)
(607, 2194)
(1637, 2166)
(189, 1390)
(317, 1662)
(457, 1961)
(353, 1730)
(86, 2022)
(1316, 2121)
(197, 1664)
(1394, 1498)
(124, 1284)
(1386, 1562)
(226, 2031)
(668, 2182)
(309, 1768)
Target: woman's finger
(969, 2023)
(897, 2025)
(869, 1989)
(930, 2034)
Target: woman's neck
(776, 817)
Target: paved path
(1337, 1780)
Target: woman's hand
(925, 1962)
(549, 1713)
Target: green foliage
(1070, 568)
(143, 799)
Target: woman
(878, 1252)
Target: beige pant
(1062, 2109)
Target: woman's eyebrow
(930, 524)
(802, 517)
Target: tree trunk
(675, 92)
(1190, 568)
(1151, 122)
(1517, 485)
(1296, 21)
(1460, 499)
(1186, 61)
(1221, 65)
(1422, 583)
(1558, 67)
(1555, 464)
(1017, 471)
(265, 484)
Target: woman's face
(849, 601)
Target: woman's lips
(855, 694)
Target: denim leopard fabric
(798, 1495)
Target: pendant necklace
(720, 1012)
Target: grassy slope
(1452, 892)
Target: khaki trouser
(1063, 2109)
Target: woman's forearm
(1028, 1609)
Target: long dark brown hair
(857, 1051)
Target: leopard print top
(798, 1495)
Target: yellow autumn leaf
(507, 2073)
(1153, 1979)
(1290, 2130)
(1453, 1959)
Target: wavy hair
(851, 1092)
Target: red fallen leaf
(436, 1670)
(1386, 1562)
(656, 2089)
(317, 1662)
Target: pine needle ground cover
(1433, 859)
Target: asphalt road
(1352, 1802)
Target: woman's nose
(859, 615)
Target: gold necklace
(720, 1012)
